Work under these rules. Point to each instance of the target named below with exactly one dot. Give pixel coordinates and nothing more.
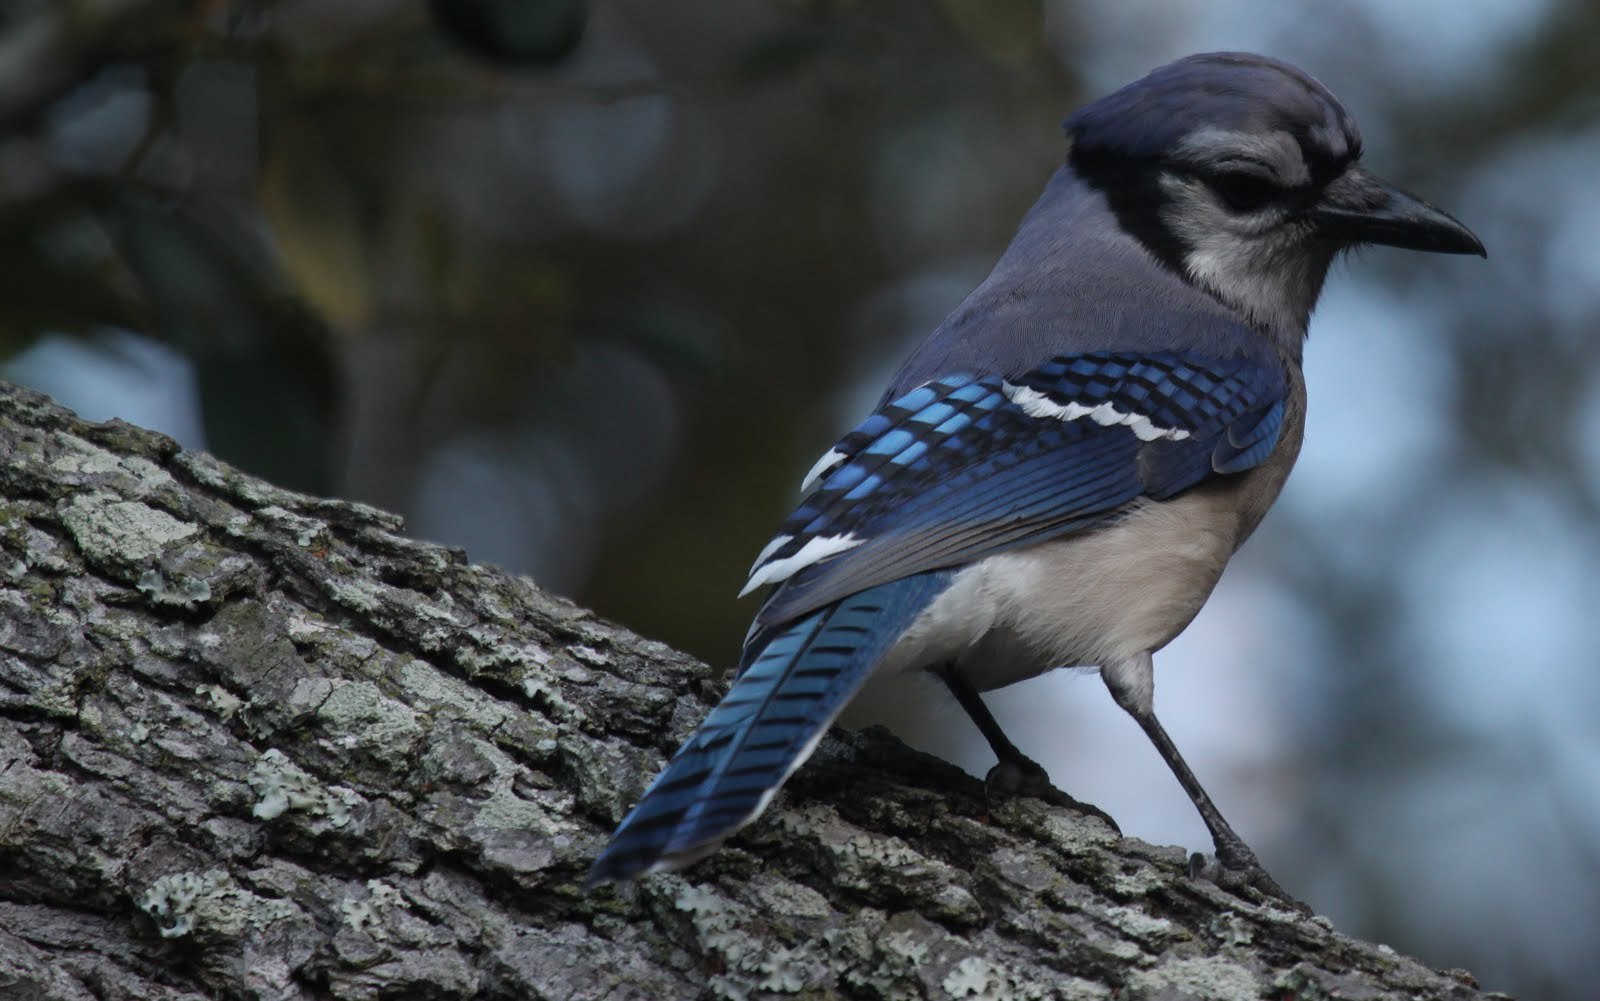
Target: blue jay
(1059, 474)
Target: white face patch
(1263, 263)
(813, 551)
(1037, 404)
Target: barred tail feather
(788, 692)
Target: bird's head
(1243, 174)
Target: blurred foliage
(514, 32)
(584, 286)
(54, 273)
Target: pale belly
(1103, 597)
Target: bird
(1059, 473)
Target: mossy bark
(259, 744)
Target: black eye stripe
(1244, 191)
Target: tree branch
(259, 744)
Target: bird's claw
(1026, 777)
(1235, 867)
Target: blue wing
(953, 471)
(964, 467)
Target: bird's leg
(1129, 684)
(1015, 773)
(1238, 861)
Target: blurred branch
(50, 50)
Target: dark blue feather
(1249, 441)
(792, 682)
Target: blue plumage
(790, 686)
(1060, 472)
(958, 470)
(940, 476)
(1219, 91)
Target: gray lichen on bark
(258, 744)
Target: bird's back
(1072, 279)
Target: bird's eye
(1244, 192)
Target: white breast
(1105, 596)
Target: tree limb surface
(256, 744)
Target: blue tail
(794, 681)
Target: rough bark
(259, 744)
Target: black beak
(1361, 207)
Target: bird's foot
(1235, 866)
(1023, 776)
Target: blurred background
(584, 286)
